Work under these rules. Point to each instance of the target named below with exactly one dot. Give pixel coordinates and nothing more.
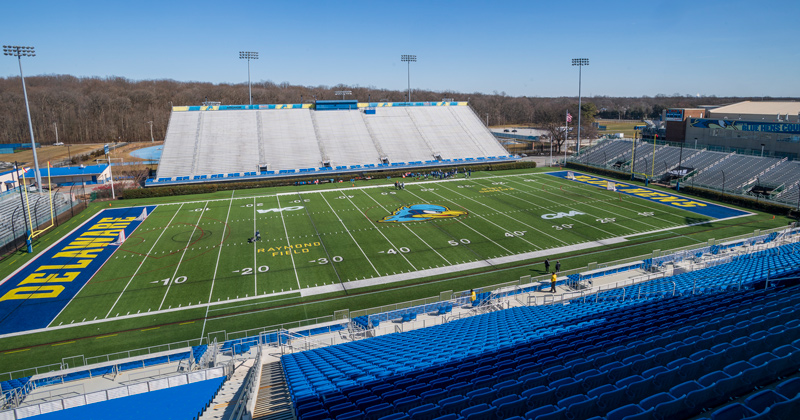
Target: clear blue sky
(639, 47)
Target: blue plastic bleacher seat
(734, 411)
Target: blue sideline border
(697, 206)
(28, 298)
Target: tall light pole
(152, 140)
(580, 62)
(19, 52)
(406, 58)
(249, 55)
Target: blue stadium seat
(734, 411)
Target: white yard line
(384, 237)
(472, 229)
(182, 255)
(351, 235)
(294, 267)
(573, 218)
(255, 249)
(221, 239)
(409, 229)
(143, 260)
(510, 217)
(639, 203)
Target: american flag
(569, 117)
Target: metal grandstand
(775, 179)
(226, 143)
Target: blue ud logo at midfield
(420, 213)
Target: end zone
(697, 206)
(32, 296)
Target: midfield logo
(420, 213)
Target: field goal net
(120, 239)
(611, 186)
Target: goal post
(570, 176)
(611, 186)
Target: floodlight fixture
(580, 62)
(343, 92)
(249, 55)
(408, 58)
(19, 52)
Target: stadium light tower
(406, 58)
(249, 55)
(19, 52)
(343, 92)
(580, 62)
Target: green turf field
(193, 253)
(189, 271)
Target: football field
(203, 254)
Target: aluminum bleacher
(345, 138)
(12, 221)
(735, 172)
(284, 133)
(223, 143)
(398, 136)
(178, 157)
(229, 143)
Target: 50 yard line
(143, 260)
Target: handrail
(242, 408)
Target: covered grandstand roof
(771, 108)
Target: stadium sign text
(34, 295)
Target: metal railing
(242, 409)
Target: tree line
(102, 110)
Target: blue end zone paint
(697, 206)
(28, 298)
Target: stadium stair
(273, 401)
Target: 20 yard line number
(249, 270)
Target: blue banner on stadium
(33, 296)
(701, 207)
